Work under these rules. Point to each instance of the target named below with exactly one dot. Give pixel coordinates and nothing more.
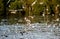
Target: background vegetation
(41, 10)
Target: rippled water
(34, 31)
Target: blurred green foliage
(25, 5)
